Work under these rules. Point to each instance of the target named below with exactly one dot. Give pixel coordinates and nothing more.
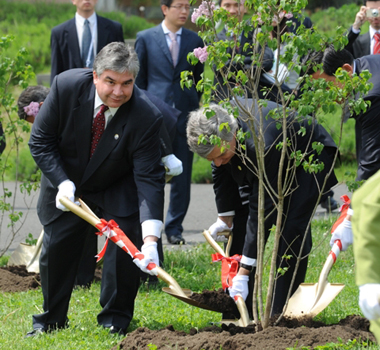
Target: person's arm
(56, 59)
(142, 53)
(354, 30)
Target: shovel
(240, 303)
(28, 255)
(310, 299)
(119, 238)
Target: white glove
(369, 295)
(239, 286)
(65, 189)
(219, 226)
(173, 164)
(150, 255)
(344, 233)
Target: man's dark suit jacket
(158, 76)
(124, 175)
(65, 50)
(367, 127)
(358, 45)
(228, 178)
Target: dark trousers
(180, 188)
(63, 243)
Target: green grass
(156, 309)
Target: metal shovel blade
(302, 302)
(186, 298)
(310, 299)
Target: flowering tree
(240, 62)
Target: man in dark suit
(232, 170)
(365, 44)
(122, 178)
(67, 38)
(367, 124)
(161, 76)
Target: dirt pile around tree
(289, 333)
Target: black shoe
(329, 204)
(35, 332)
(117, 330)
(176, 239)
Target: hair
(198, 124)
(117, 57)
(35, 93)
(330, 59)
(167, 3)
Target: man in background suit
(67, 38)
(121, 179)
(161, 76)
(367, 124)
(362, 45)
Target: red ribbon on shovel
(230, 267)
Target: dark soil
(289, 333)
(218, 300)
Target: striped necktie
(376, 48)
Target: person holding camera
(368, 43)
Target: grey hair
(35, 93)
(198, 124)
(117, 57)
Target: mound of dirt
(290, 333)
(18, 279)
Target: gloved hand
(239, 286)
(150, 255)
(369, 295)
(65, 189)
(219, 226)
(173, 164)
(344, 233)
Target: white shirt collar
(98, 102)
(166, 30)
(80, 20)
(372, 32)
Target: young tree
(14, 71)
(240, 62)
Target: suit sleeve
(43, 141)
(142, 77)
(198, 69)
(351, 36)
(226, 190)
(56, 60)
(119, 32)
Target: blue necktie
(86, 43)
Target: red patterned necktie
(376, 48)
(98, 127)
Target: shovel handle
(242, 307)
(211, 241)
(87, 215)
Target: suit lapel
(83, 116)
(109, 140)
(161, 41)
(103, 32)
(183, 50)
(73, 43)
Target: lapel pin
(116, 136)
(239, 167)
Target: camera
(372, 13)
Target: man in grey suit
(161, 76)
(122, 179)
(362, 45)
(67, 38)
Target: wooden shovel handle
(92, 219)
(212, 242)
(242, 307)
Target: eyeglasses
(182, 7)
